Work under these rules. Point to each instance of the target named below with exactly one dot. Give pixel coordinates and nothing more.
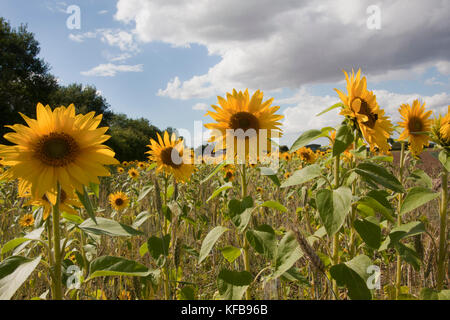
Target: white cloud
(124, 40)
(302, 116)
(200, 106)
(110, 70)
(103, 12)
(266, 44)
(433, 82)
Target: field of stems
(353, 219)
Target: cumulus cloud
(122, 39)
(110, 69)
(265, 44)
(301, 115)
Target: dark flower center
(166, 157)
(415, 125)
(56, 149)
(119, 201)
(244, 121)
(365, 110)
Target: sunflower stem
(443, 230)
(245, 242)
(57, 282)
(398, 277)
(335, 254)
(352, 245)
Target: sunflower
(170, 156)
(250, 116)
(415, 122)
(27, 220)
(445, 126)
(259, 189)
(306, 154)
(120, 170)
(125, 164)
(57, 147)
(119, 200)
(286, 156)
(141, 165)
(361, 106)
(229, 175)
(66, 200)
(133, 173)
(287, 175)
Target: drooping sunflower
(361, 106)
(250, 116)
(27, 220)
(133, 173)
(306, 154)
(170, 157)
(119, 200)
(67, 201)
(57, 146)
(415, 123)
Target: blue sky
(174, 57)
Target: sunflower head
(170, 157)
(440, 130)
(415, 125)
(259, 189)
(119, 200)
(287, 175)
(120, 170)
(141, 165)
(306, 154)
(286, 156)
(133, 173)
(125, 164)
(361, 107)
(445, 126)
(229, 175)
(27, 220)
(57, 146)
(243, 121)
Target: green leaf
(333, 207)
(209, 242)
(417, 197)
(380, 175)
(116, 266)
(444, 158)
(33, 235)
(406, 230)
(186, 293)
(263, 240)
(76, 219)
(14, 271)
(408, 254)
(303, 175)
(214, 172)
(288, 252)
(87, 204)
(334, 106)
(219, 190)
(421, 178)
(274, 205)
(370, 231)
(271, 174)
(233, 284)
(95, 188)
(294, 275)
(240, 212)
(158, 246)
(344, 137)
(108, 227)
(143, 249)
(353, 275)
(305, 138)
(230, 253)
(377, 201)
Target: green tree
(24, 78)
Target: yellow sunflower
(133, 173)
(229, 175)
(27, 220)
(170, 156)
(415, 122)
(119, 200)
(259, 189)
(361, 106)
(141, 165)
(286, 156)
(66, 201)
(287, 175)
(58, 146)
(120, 170)
(445, 126)
(306, 154)
(250, 115)
(125, 164)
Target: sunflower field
(351, 220)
